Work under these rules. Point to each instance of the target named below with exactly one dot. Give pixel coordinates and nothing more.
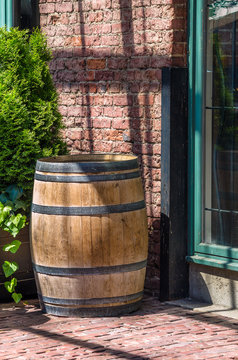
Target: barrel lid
(83, 163)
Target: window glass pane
(221, 124)
(26, 14)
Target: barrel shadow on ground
(97, 348)
(22, 318)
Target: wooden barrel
(89, 235)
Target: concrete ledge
(205, 308)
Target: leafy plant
(12, 221)
(30, 128)
(30, 123)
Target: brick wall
(108, 56)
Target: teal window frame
(198, 252)
(10, 15)
(6, 13)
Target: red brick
(140, 62)
(64, 7)
(120, 124)
(75, 111)
(47, 8)
(113, 112)
(85, 76)
(104, 75)
(146, 99)
(121, 100)
(117, 63)
(110, 40)
(96, 63)
(116, 28)
(66, 100)
(92, 88)
(95, 16)
(101, 123)
(73, 41)
(102, 146)
(74, 64)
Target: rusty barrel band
(91, 312)
(94, 301)
(80, 167)
(97, 270)
(86, 179)
(87, 210)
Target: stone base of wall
(213, 285)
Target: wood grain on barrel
(74, 241)
(81, 194)
(92, 286)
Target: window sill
(215, 262)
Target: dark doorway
(26, 14)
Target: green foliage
(12, 221)
(30, 123)
(10, 285)
(10, 204)
(9, 268)
(13, 247)
(16, 297)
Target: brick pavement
(156, 331)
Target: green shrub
(12, 221)
(30, 123)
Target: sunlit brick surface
(157, 331)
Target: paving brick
(156, 331)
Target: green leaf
(13, 247)
(18, 220)
(10, 285)
(14, 224)
(11, 228)
(4, 213)
(19, 204)
(16, 297)
(6, 210)
(14, 192)
(9, 268)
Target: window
(21, 13)
(25, 14)
(214, 132)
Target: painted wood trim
(199, 252)
(198, 118)
(214, 262)
(6, 17)
(195, 91)
(191, 82)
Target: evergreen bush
(30, 123)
